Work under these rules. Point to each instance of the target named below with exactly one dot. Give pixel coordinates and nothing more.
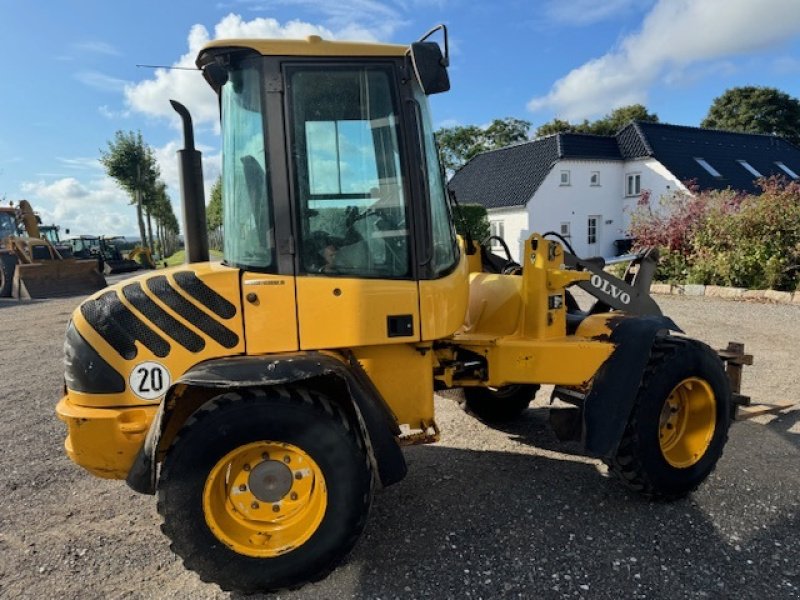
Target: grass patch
(180, 256)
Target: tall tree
(607, 125)
(214, 208)
(131, 162)
(754, 109)
(459, 144)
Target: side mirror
(429, 67)
(428, 63)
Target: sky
(70, 80)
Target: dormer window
(750, 168)
(594, 178)
(564, 178)
(786, 169)
(711, 170)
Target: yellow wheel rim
(264, 499)
(687, 423)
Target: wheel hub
(687, 422)
(264, 499)
(270, 481)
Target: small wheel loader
(32, 266)
(264, 398)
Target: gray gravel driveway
(485, 513)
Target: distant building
(586, 186)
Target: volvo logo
(609, 288)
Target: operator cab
(353, 204)
(331, 185)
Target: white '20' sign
(149, 380)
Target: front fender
(610, 401)
(375, 420)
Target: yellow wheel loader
(263, 399)
(31, 266)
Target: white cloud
(353, 20)
(675, 34)
(97, 47)
(96, 207)
(101, 81)
(151, 97)
(585, 12)
(80, 162)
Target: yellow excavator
(265, 397)
(32, 267)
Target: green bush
(726, 238)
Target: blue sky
(70, 80)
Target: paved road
(483, 514)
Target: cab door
(355, 283)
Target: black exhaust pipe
(193, 198)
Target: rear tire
(8, 263)
(496, 405)
(679, 424)
(265, 489)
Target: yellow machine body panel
(443, 302)
(404, 377)
(139, 332)
(495, 302)
(270, 317)
(338, 312)
(91, 432)
(313, 45)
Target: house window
(591, 230)
(633, 186)
(565, 230)
(750, 168)
(594, 178)
(564, 177)
(711, 170)
(497, 228)
(786, 169)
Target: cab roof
(313, 45)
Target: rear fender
(610, 401)
(346, 383)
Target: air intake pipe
(193, 198)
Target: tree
(131, 162)
(754, 109)
(473, 218)
(459, 144)
(607, 125)
(214, 208)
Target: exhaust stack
(193, 199)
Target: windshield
(8, 226)
(248, 236)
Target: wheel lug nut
(276, 508)
(246, 467)
(265, 455)
(293, 495)
(298, 475)
(243, 488)
(286, 459)
(254, 505)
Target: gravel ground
(485, 513)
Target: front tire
(497, 405)
(679, 424)
(265, 489)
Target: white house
(585, 187)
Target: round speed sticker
(149, 380)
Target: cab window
(348, 181)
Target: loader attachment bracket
(631, 294)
